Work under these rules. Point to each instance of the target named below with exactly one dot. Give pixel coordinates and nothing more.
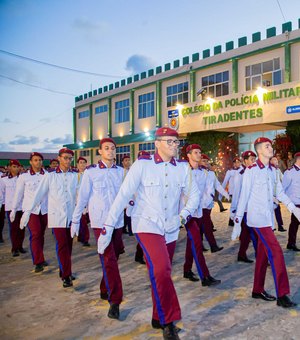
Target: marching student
(158, 182)
(60, 187)
(211, 185)
(126, 163)
(194, 248)
(7, 190)
(256, 198)
(26, 186)
(291, 186)
(247, 234)
(99, 187)
(84, 234)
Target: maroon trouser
(111, 281)
(37, 225)
(2, 218)
(64, 243)
(245, 239)
(17, 235)
(269, 250)
(84, 234)
(207, 227)
(293, 229)
(194, 248)
(158, 258)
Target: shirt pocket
(152, 186)
(99, 186)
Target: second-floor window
(122, 111)
(178, 94)
(146, 105)
(83, 114)
(101, 109)
(216, 85)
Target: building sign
(293, 109)
(173, 116)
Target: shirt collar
(42, 172)
(296, 167)
(102, 165)
(261, 164)
(58, 170)
(158, 159)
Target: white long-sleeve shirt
(291, 183)
(26, 186)
(7, 190)
(258, 190)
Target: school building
(252, 89)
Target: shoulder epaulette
(91, 166)
(242, 171)
(75, 170)
(252, 166)
(51, 170)
(181, 161)
(144, 157)
(4, 175)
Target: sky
(112, 38)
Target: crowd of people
(152, 199)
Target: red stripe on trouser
(159, 256)
(64, 250)
(17, 235)
(207, 224)
(84, 234)
(245, 239)
(293, 229)
(268, 249)
(37, 225)
(111, 268)
(194, 228)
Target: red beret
(165, 131)
(193, 147)
(204, 156)
(107, 140)
(36, 154)
(81, 159)
(248, 153)
(143, 153)
(65, 150)
(124, 157)
(297, 154)
(262, 140)
(54, 160)
(236, 159)
(14, 162)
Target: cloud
(138, 63)
(23, 140)
(67, 139)
(91, 30)
(6, 147)
(9, 121)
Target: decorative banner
(173, 116)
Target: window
(267, 73)
(178, 94)
(149, 147)
(122, 111)
(84, 153)
(146, 105)
(122, 151)
(216, 85)
(101, 109)
(83, 114)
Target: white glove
(75, 229)
(236, 232)
(296, 212)
(104, 239)
(24, 219)
(12, 215)
(173, 224)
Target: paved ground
(35, 306)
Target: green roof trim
(105, 88)
(143, 75)
(123, 82)
(217, 49)
(206, 54)
(136, 77)
(229, 45)
(100, 90)
(167, 67)
(111, 87)
(271, 32)
(117, 84)
(158, 69)
(176, 63)
(195, 57)
(185, 60)
(287, 27)
(150, 72)
(242, 41)
(129, 80)
(256, 37)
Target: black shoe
(22, 251)
(72, 277)
(85, 244)
(204, 249)
(39, 268)
(280, 228)
(15, 253)
(294, 247)
(231, 223)
(122, 251)
(210, 281)
(125, 231)
(222, 210)
(157, 325)
(45, 264)
(214, 249)
(67, 282)
(214, 229)
(114, 312)
(169, 332)
(191, 276)
(285, 302)
(139, 260)
(1, 240)
(103, 296)
(244, 259)
(130, 233)
(263, 296)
